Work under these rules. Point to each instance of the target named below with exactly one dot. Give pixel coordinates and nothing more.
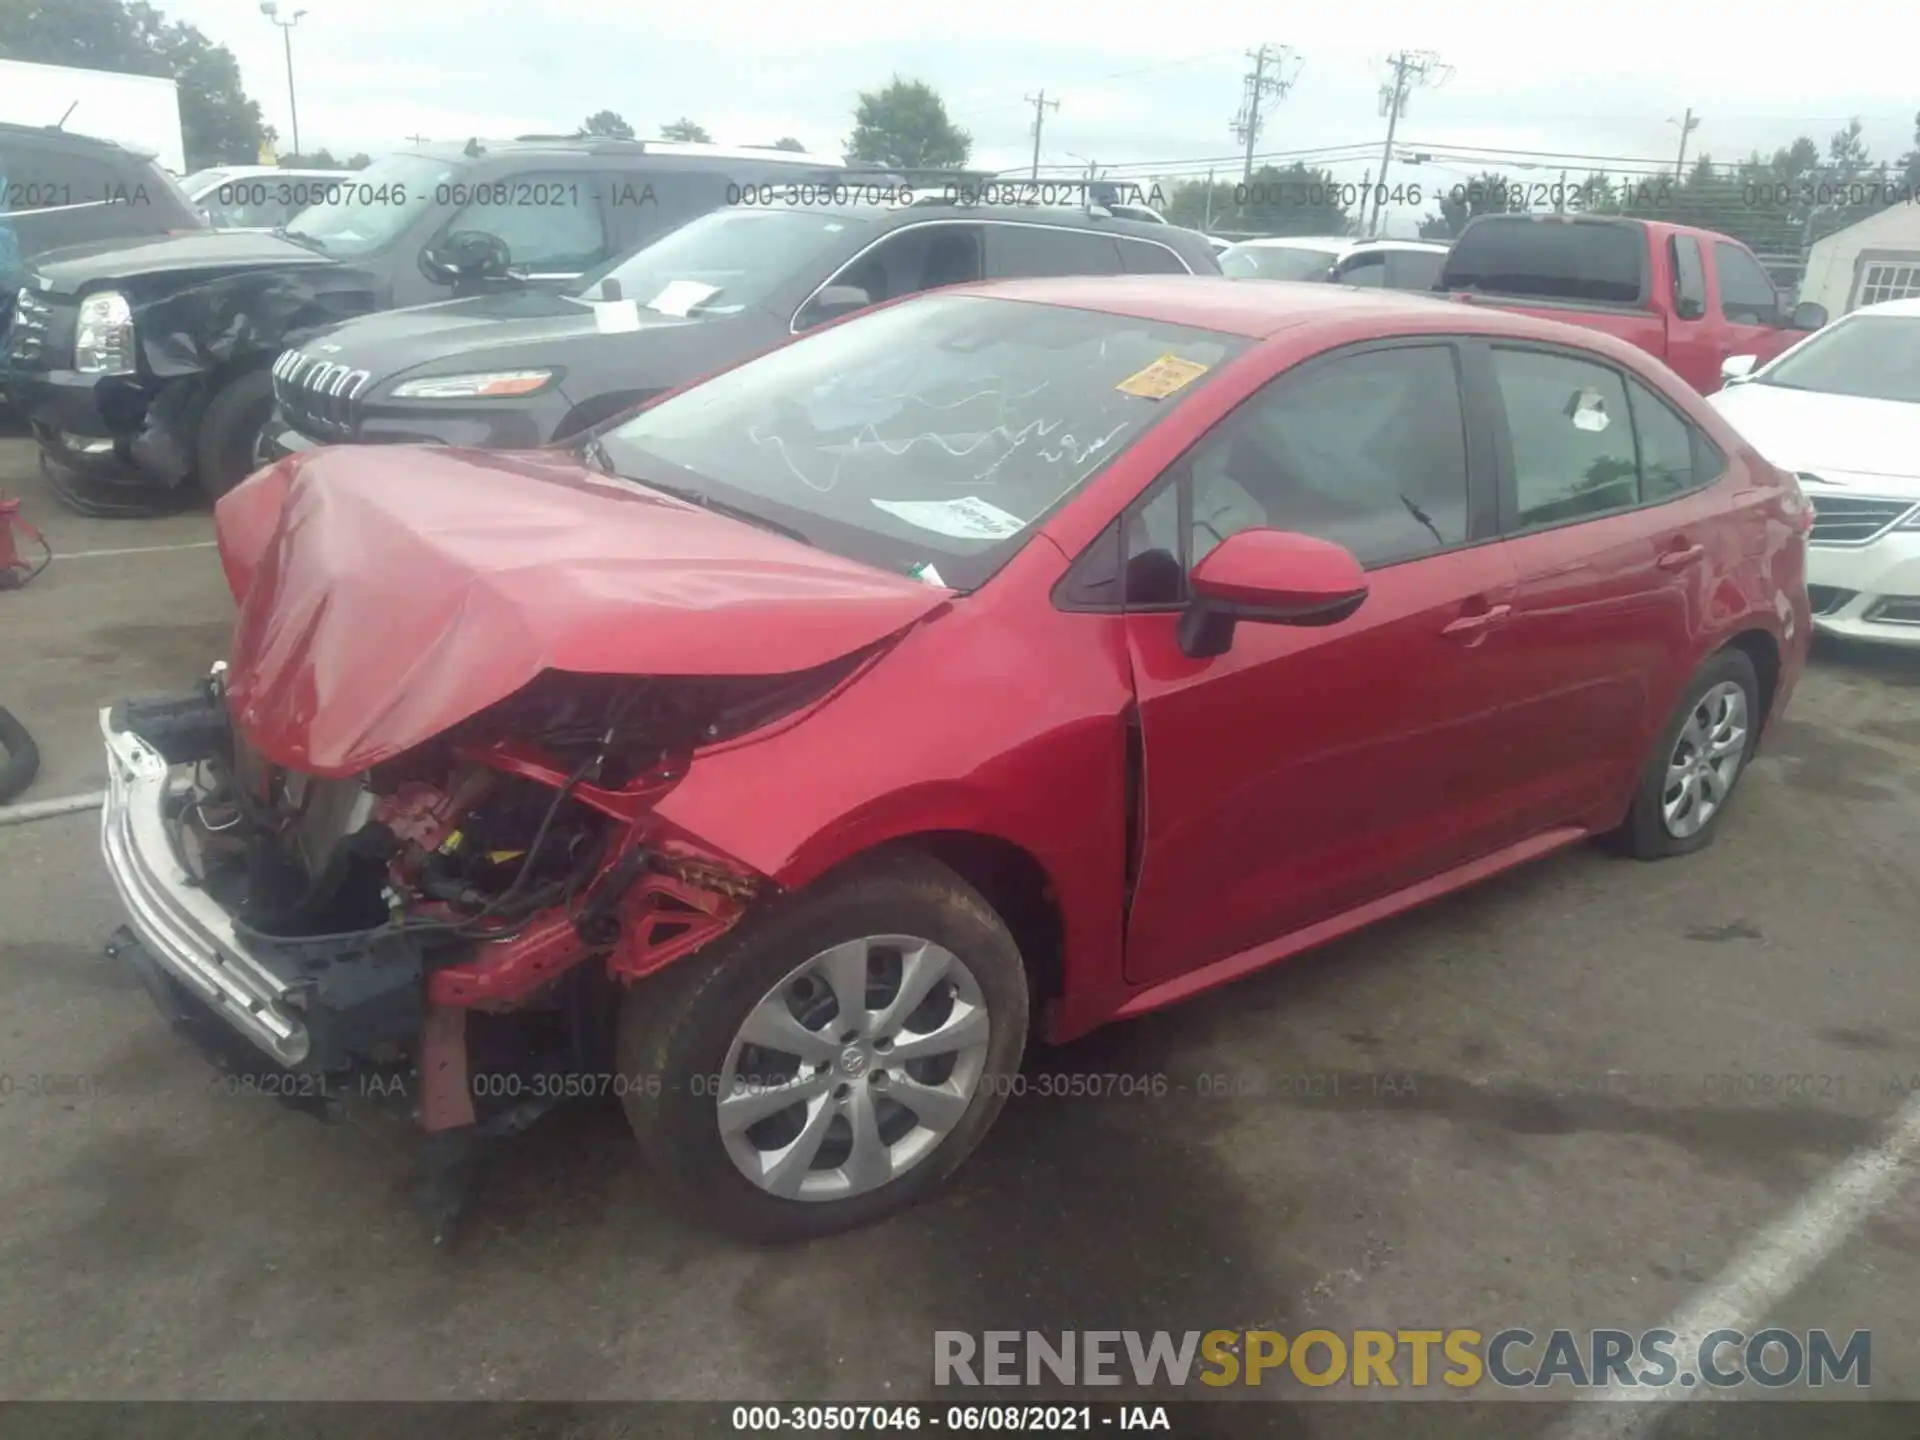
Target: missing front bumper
(317, 1004)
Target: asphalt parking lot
(1573, 1097)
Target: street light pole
(271, 9)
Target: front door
(1309, 770)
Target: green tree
(787, 142)
(606, 122)
(1488, 193)
(1195, 205)
(359, 160)
(218, 123)
(685, 129)
(319, 160)
(906, 124)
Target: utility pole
(1206, 225)
(1687, 127)
(417, 139)
(271, 9)
(1265, 81)
(1410, 68)
(1040, 104)
(1560, 196)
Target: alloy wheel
(853, 1068)
(1706, 757)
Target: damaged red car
(996, 663)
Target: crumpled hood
(388, 592)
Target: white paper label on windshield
(969, 518)
(680, 296)
(616, 317)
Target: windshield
(928, 437)
(1275, 262)
(369, 209)
(1875, 357)
(723, 262)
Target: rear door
(1309, 770)
(1612, 533)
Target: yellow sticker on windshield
(1160, 379)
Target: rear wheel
(1700, 756)
(230, 431)
(835, 1058)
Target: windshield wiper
(1421, 515)
(300, 237)
(720, 507)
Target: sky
(1142, 89)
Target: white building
(1877, 259)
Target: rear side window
(1369, 270)
(1590, 260)
(1674, 456)
(1572, 437)
(34, 177)
(1414, 269)
(1032, 250)
(1689, 277)
(1746, 294)
(1144, 258)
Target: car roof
(686, 152)
(893, 216)
(1233, 307)
(1335, 244)
(1888, 307)
(75, 138)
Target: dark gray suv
(523, 369)
(148, 361)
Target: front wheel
(230, 432)
(833, 1059)
(1700, 755)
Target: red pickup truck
(1691, 297)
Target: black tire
(22, 757)
(229, 430)
(682, 1024)
(1644, 834)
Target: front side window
(916, 258)
(1369, 270)
(1874, 357)
(927, 438)
(1572, 437)
(1276, 262)
(1746, 294)
(1368, 451)
(550, 223)
(1143, 257)
(370, 209)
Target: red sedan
(1009, 659)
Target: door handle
(1489, 619)
(1680, 559)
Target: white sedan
(1841, 409)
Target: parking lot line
(44, 809)
(138, 550)
(1772, 1265)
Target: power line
(1262, 85)
(1410, 68)
(1040, 104)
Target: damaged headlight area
(327, 920)
(104, 339)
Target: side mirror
(1736, 368)
(833, 302)
(1808, 316)
(1271, 576)
(468, 258)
